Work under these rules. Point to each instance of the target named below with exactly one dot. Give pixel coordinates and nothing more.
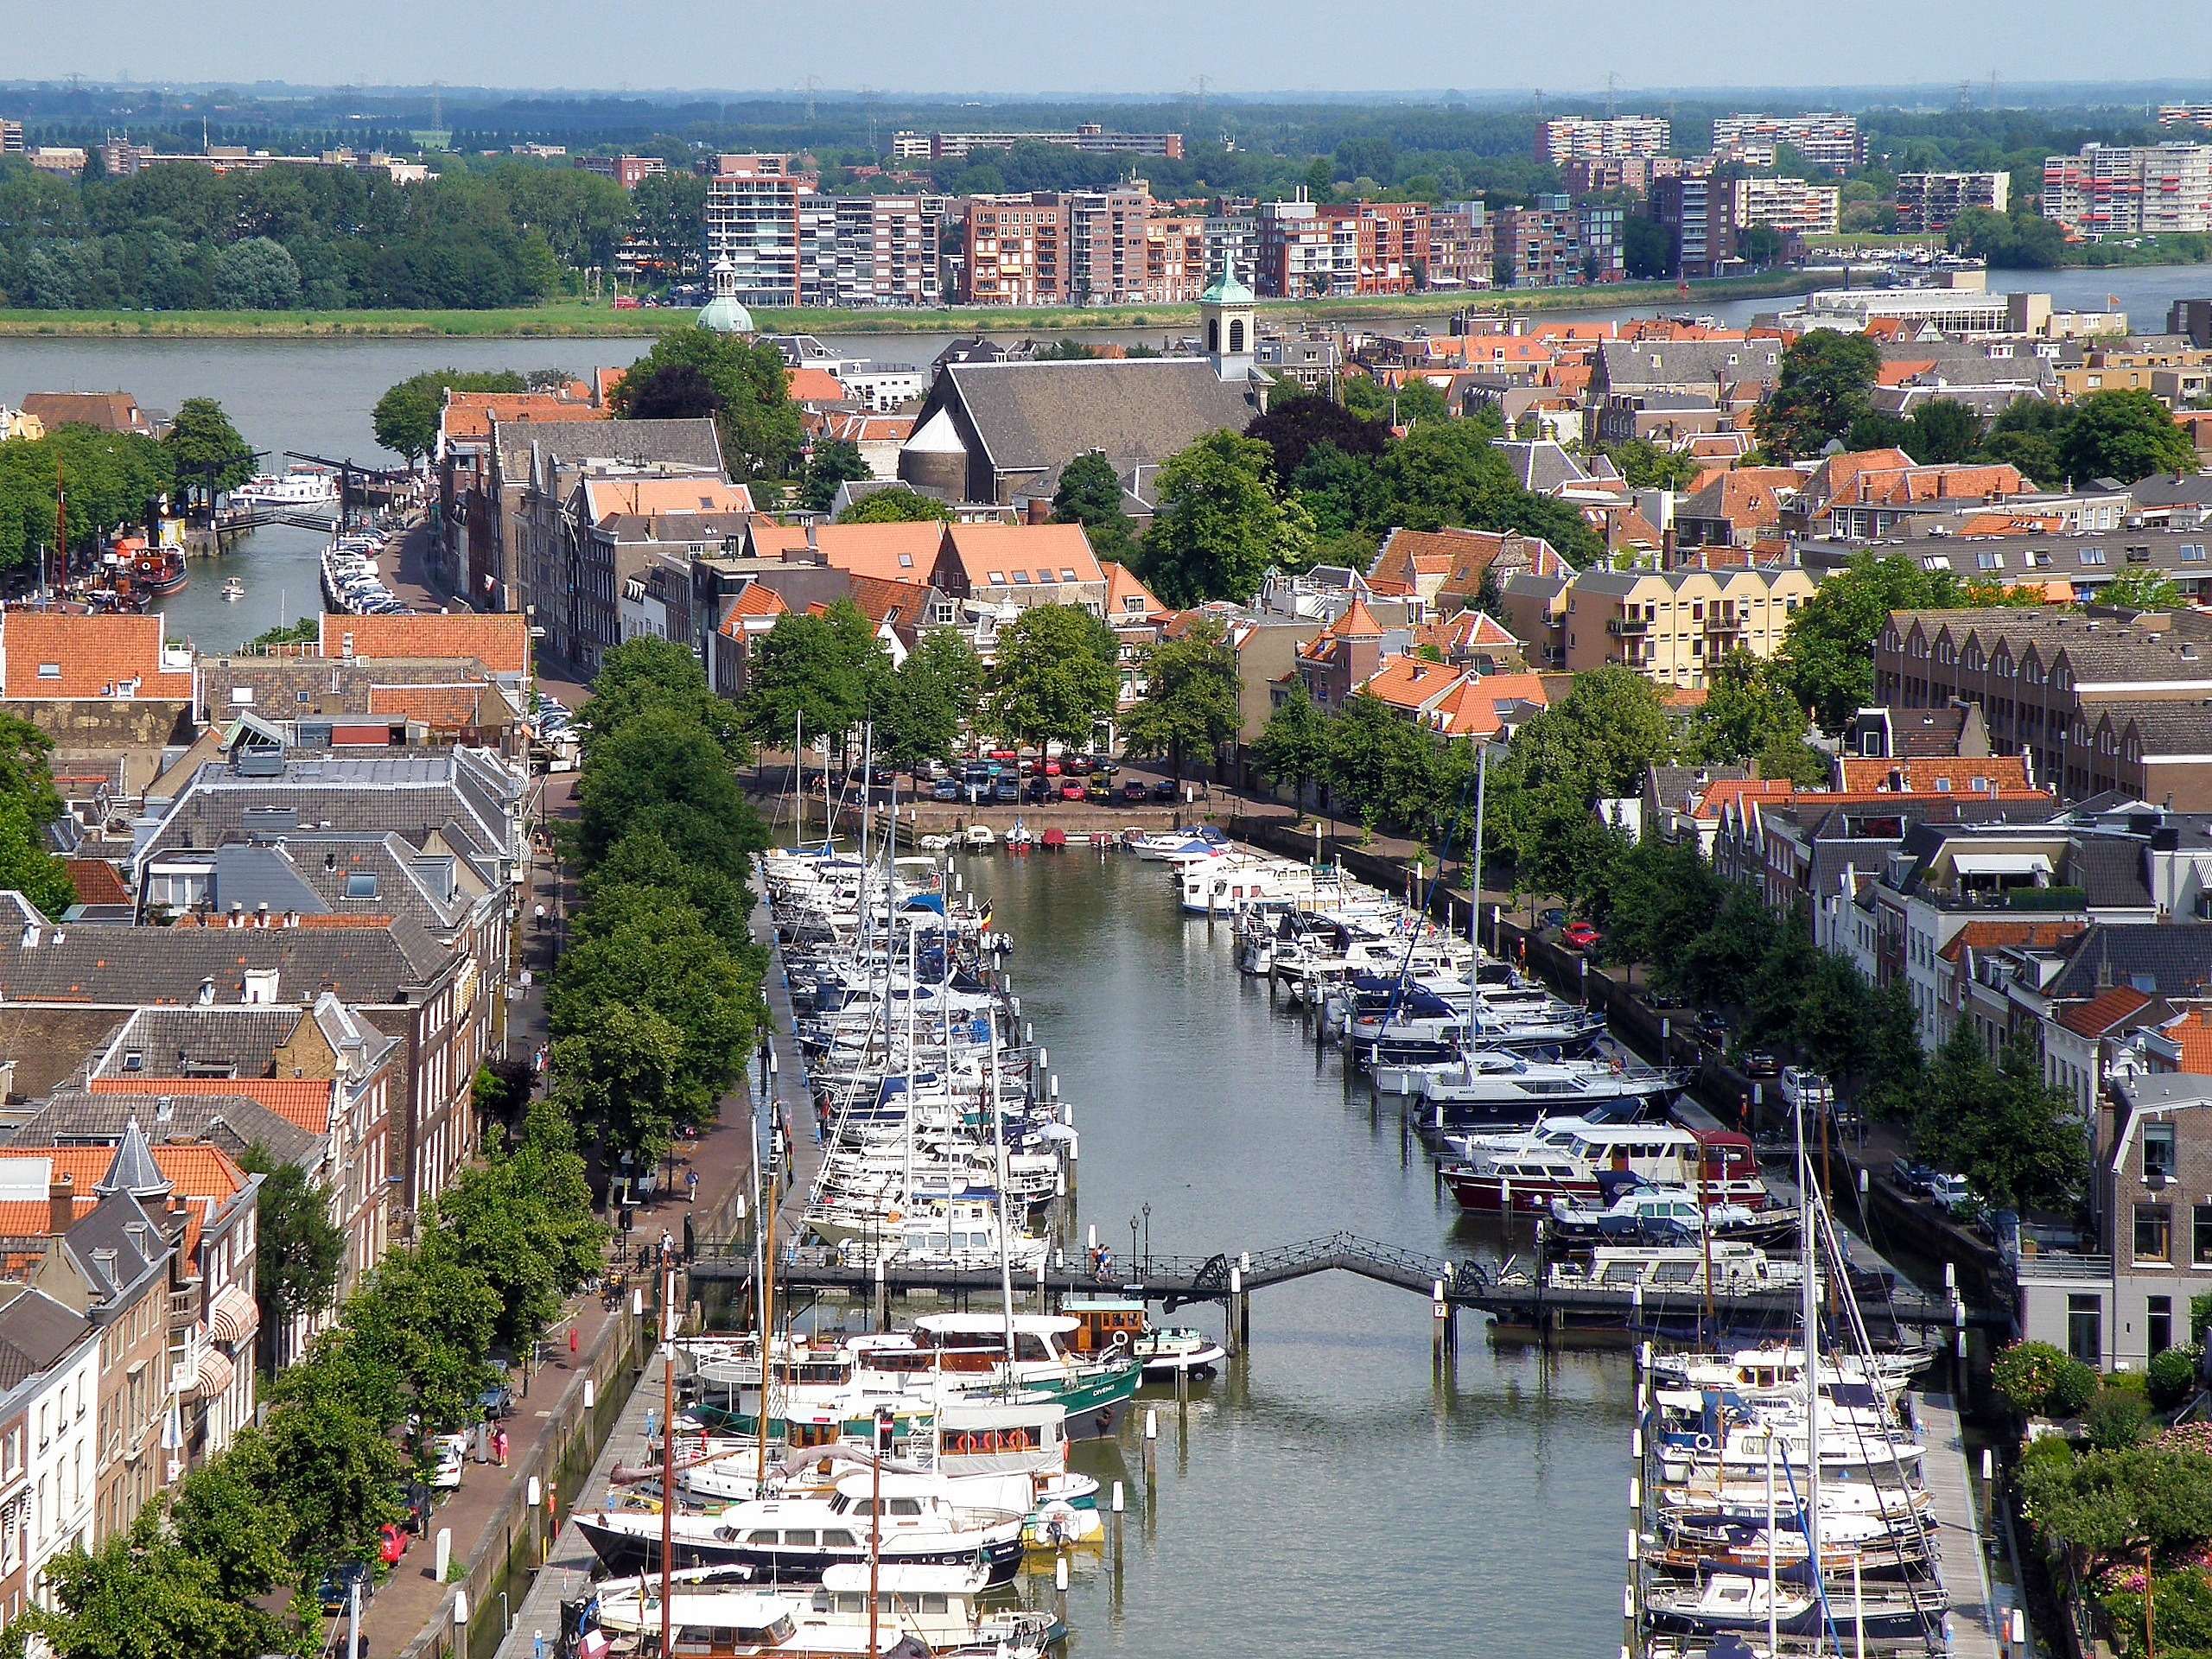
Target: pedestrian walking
(499, 1446)
(651, 1417)
(572, 1340)
(538, 1644)
(690, 1187)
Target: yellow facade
(1669, 625)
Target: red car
(1051, 768)
(1578, 936)
(1073, 791)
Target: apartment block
(1600, 175)
(754, 219)
(1017, 250)
(1670, 624)
(1829, 140)
(1604, 240)
(1462, 246)
(1928, 202)
(1698, 221)
(2185, 114)
(11, 138)
(1790, 206)
(628, 171)
(1106, 243)
(1091, 138)
(1177, 261)
(1540, 245)
(888, 250)
(1233, 238)
(1309, 250)
(1584, 137)
(2129, 190)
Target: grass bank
(581, 320)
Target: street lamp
(1133, 1241)
(1147, 1241)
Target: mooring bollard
(1151, 1445)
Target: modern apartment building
(1540, 245)
(1829, 140)
(1090, 138)
(1790, 206)
(628, 171)
(888, 250)
(756, 210)
(1309, 250)
(1597, 175)
(11, 138)
(1017, 251)
(1462, 247)
(1696, 216)
(1106, 233)
(1585, 137)
(2129, 190)
(1928, 202)
(1604, 240)
(1670, 624)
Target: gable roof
(1997, 936)
(1034, 418)
(499, 640)
(468, 416)
(676, 442)
(894, 552)
(989, 553)
(1122, 585)
(45, 654)
(1939, 773)
(302, 1102)
(2101, 1013)
(814, 386)
(2171, 958)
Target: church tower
(1226, 318)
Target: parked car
(1073, 789)
(1099, 792)
(1802, 1086)
(1164, 791)
(1578, 936)
(448, 1453)
(1910, 1175)
(497, 1402)
(1550, 918)
(1038, 790)
(1760, 1063)
(1949, 1190)
(1134, 794)
(1051, 767)
(391, 1542)
(1007, 792)
(946, 789)
(338, 1584)
(1712, 1027)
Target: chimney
(62, 1204)
(813, 537)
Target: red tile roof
(2104, 1011)
(96, 882)
(468, 416)
(87, 657)
(442, 708)
(303, 1101)
(1937, 775)
(814, 386)
(500, 642)
(1996, 936)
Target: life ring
(1705, 1442)
(1120, 1339)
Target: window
(905, 561)
(49, 671)
(2157, 1152)
(2085, 1328)
(2092, 556)
(361, 885)
(2201, 1249)
(2161, 1322)
(997, 578)
(2154, 1231)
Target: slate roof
(179, 1041)
(683, 443)
(2168, 959)
(115, 964)
(1622, 364)
(2110, 869)
(230, 1123)
(1033, 417)
(35, 1331)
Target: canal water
(315, 397)
(1326, 1496)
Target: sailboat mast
(798, 771)
(1808, 1257)
(913, 987)
(1005, 1221)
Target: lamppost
(1133, 1244)
(1147, 1241)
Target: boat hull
(622, 1551)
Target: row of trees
(656, 999)
(328, 237)
(225, 1567)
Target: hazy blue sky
(1022, 46)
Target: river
(313, 396)
(1329, 1497)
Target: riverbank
(579, 320)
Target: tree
(1822, 388)
(829, 669)
(619, 1080)
(1827, 659)
(298, 1250)
(645, 859)
(1293, 426)
(927, 700)
(1647, 248)
(1055, 675)
(226, 1515)
(333, 1474)
(1218, 527)
(1749, 713)
(523, 1219)
(759, 424)
(256, 275)
(1644, 466)
(2142, 590)
(675, 392)
(660, 758)
(204, 449)
(1759, 246)
(1941, 430)
(1409, 403)
(1294, 746)
(1189, 704)
(2111, 1505)
(405, 419)
(421, 1320)
(2018, 1140)
(2123, 434)
(898, 504)
(1090, 494)
(834, 461)
(646, 673)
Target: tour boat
(233, 590)
(1116, 1326)
(801, 1538)
(717, 1614)
(1717, 1163)
(300, 489)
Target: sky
(1110, 46)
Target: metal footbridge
(1516, 1299)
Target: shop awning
(2001, 864)
(232, 1316)
(215, 1374)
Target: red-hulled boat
(147, 569)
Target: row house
(470, 552)
(1540, 245)
(1454, 702)
(2045, 681)
(50, 1380)
(626, 523)
(1869, 494)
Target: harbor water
(313, 396)
(1324, 1495)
